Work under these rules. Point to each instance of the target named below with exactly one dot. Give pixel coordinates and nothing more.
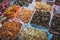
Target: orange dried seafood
(24, 15)
(10, 30)
(11, 11)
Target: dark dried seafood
(41, 18)
(56, 37)
(23, 2)
(55, 27)
(33, 34)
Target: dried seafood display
(24, 15)
(42, 6)
(14, 14)
(41, 18)
(33, 34)
(9, 30)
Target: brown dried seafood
(41, 18)
(24, 15)
(9, 30)
(55, 27)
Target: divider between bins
(52, 14)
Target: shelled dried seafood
(33, 34)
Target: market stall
(29, 20)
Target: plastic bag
(49, 36)
(10, 29)
(41, 18)
(25, 14)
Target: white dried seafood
(43, 6)
(33, 34)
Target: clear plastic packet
(55, 25)
(11, 11)
(55, 22)
(41, 18)
(10, 29)
(35, 27)
(42, 15)
(23, 3)
(42, 6)
(25, 14)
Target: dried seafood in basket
(30, 33)
(11, 11)
(42, 6)
(41, 18)
(55, 25)
(24, 15)
(9, 30)
(24, 3)
(56, 37)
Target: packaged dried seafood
(32, 33)
(9, 30)
(11, 11)
(42, 6)
(24, 14)
(56, 37)
(41, 18)
(24, 3)
(55, 27)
